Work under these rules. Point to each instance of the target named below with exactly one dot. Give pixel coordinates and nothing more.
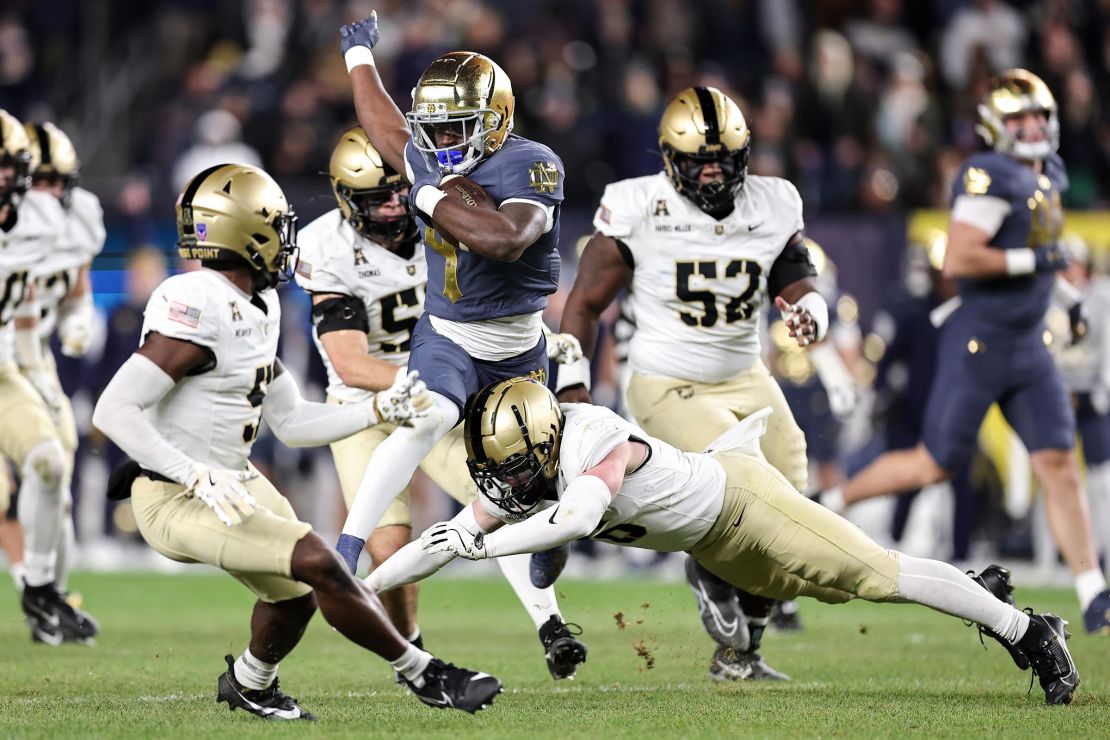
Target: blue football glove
(1051, 258)
(360, 33)
(1077, 317)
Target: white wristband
(1020, 262)
(575, 373)
(427, 197)
(357, 56)
(819, 310)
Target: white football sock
(41, 510)
(940, 586)
(65, 552)
(540, 603)
(393, 463)
(18, 570)
(412, 663)
(1088, 585)
(253, 673)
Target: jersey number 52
(737, 308)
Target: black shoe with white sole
(268, 703)
(53, 619)
(729, 665)
(1045, 642)
(446, 686)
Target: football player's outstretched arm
(379, 116)
(603, 271)
(300, 423)
(500, 235)
(341, 323)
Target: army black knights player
(555, 473)
(186, 408)
(30, 231)
(700, 246)
(364, 267)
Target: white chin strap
(1032, 149)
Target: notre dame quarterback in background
(700, 245)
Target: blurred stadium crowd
(866, 105)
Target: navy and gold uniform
(992, 348)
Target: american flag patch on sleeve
(183, 314)
(304, 269)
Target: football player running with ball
(186, 408)
(556, 473)
(362, 264)
(700, 246)
(487, 205)
(1005, 252)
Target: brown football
(467, 192)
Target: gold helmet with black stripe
(700, 126)
(56, 158)
(1012, 93)
(234, 213)
(469, 96)
(512, 430)
(362, 183)
(15, 152)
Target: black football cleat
(563, 652)
(448, 686)
(996, 580)
(269, 703)
(544, 568)
(1096, 617)
(51, 616)
(729, 665)
(718, 606)
(785, 617)
(1045, 642)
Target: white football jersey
(335, 258)
(36, 233)
(82, 240)
(698, 283)
(213, 416)
(668, 504)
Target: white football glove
(452, 538)
(1100, 399)
(224, 493)
(562, 349)
(405, 400)
(840, 386)
(75, 327)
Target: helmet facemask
(715, 197)
(521, 481)
(392, 231)
(20, 181)
(468, 128)
(285, 261)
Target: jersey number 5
(391, 324)
(14, 290)
(262, 378)
(450, 254)
(738, 307)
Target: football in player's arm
(557, 473)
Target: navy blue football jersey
(1036, 219)
(464, 286)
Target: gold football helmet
(512, 431)
(701, 126)
(362, 181)
(469, 97)
(238, 212)
(56, 157)
(15, 151)
(1013, 92)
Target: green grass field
(859, 670)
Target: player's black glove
(1077, 317)
(360, 33)
(1051, 258)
